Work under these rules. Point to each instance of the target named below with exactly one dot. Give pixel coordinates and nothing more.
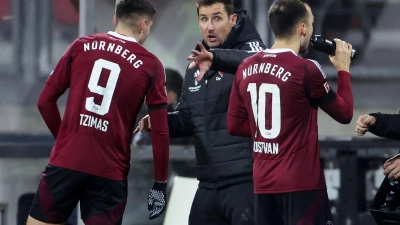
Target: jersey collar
(120, 36)
(279, 50)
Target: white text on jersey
(110, 47)
(267, 68)
(267, 148)
(91, 121)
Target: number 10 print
(258, 105)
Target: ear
(233, 19)
(303, 30)
(142, 25)
(115, 20)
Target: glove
(157, 199)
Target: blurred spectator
(174, 83)
(174, 87)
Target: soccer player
(275, 98)
(108, 76)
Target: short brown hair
(129, 9)
(228, 4)
(284, 15)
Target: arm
(238, 126)
(47, 105)
(179, 122)
(392, 167)
(340, 105)
(225, 60)
(386, 125)
(156, 101)
(57, 83)
(160, 141)
(228, 60)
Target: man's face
(215, 24)
(146, 31)
(309, 31)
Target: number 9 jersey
(275, 100)
(109, 77)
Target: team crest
(221, 74)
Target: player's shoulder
(314, 67)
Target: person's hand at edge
(391, 168)
(144, 124)
(201, 59)
(341, 60)
(364, 122)
(157, 199)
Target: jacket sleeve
(387, 125)
(228, 60)
(179, 122)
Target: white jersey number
(258, 105)
(106, 92)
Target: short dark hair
(126, 10)
(228, 4)
(284, 15)
(174, 81)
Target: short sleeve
(157, 93)
(315, 80)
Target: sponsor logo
(195, 76)
(269, 55)
(196, 83)
(329, 223)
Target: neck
(293, 44)
(127, 32)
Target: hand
(202, 60)
(144, 124)
(157, 199)
(392, 168)
(364, 122)
(341, 60)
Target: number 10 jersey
(279, 93)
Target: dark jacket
(202, 112)
(387, 125)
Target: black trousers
(230, 205)
(293, 208)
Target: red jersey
(109, 76)
(279, 93)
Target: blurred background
(35, 33)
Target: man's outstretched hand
(201, 59)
